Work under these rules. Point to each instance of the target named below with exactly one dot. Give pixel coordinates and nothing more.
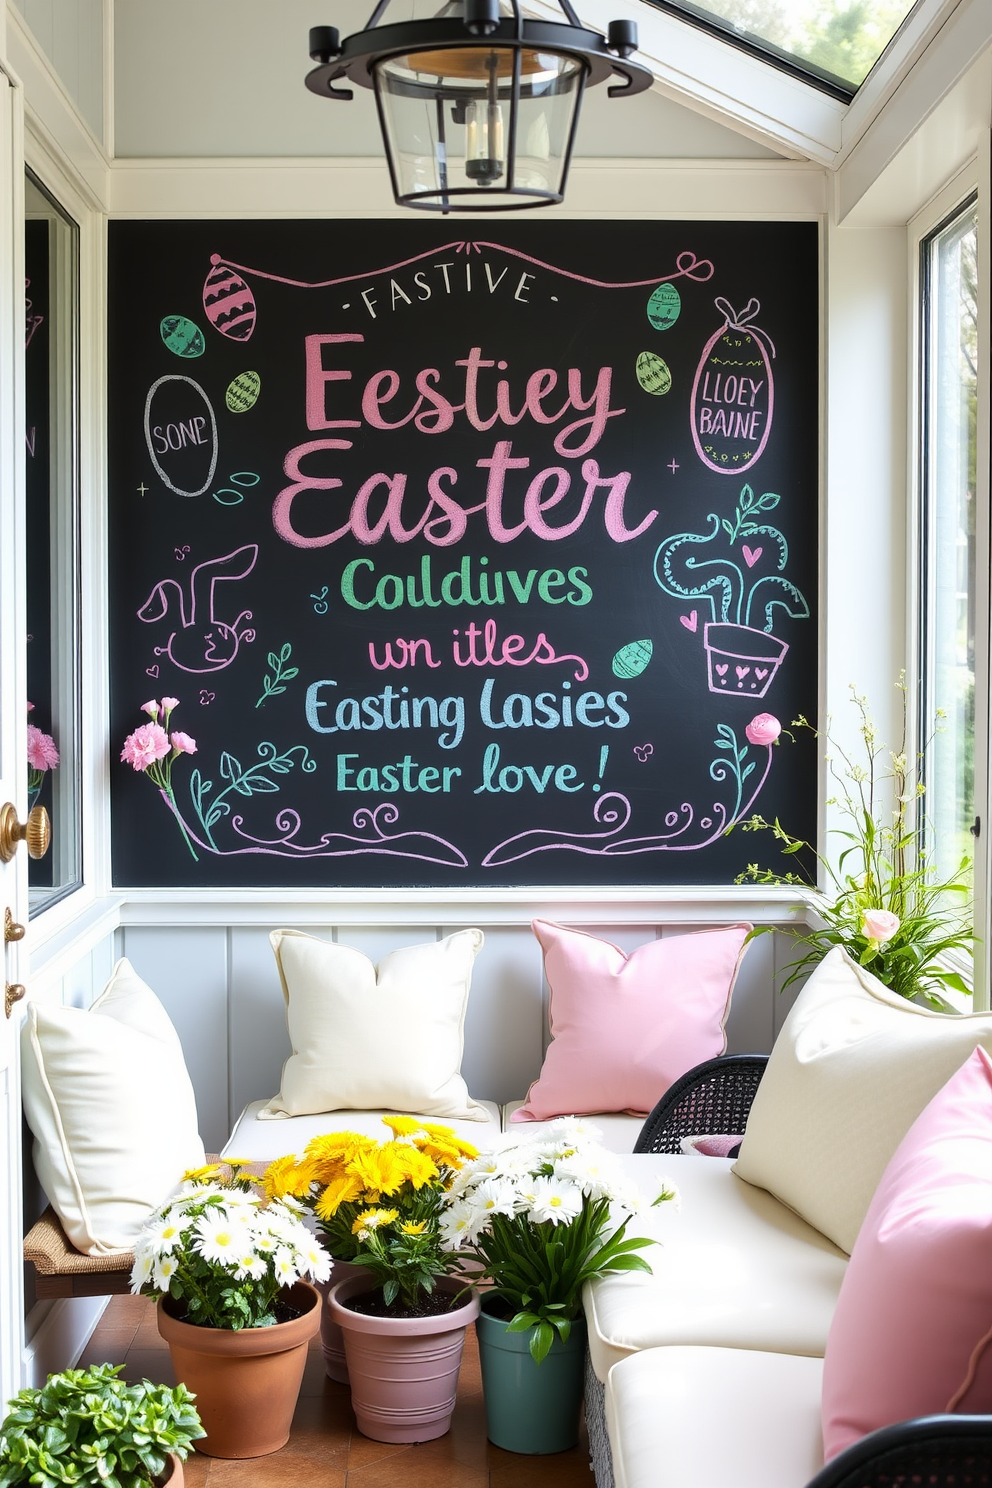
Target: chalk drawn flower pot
(742, 661)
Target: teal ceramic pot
(530, 1408)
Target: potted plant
(883, 900)
(88, 1428)
(403, 1315)
(541, 1217)
(228, 1270)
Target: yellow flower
(200, 1175)
(446, 1137)
(286, 1176)
(416, 1167)
(409, 1228)
(403, 1126)
(374, 1219)
(343, 1190)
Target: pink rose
(879, 924)
(764, 728)
(151, 708)
(42, 751)
(182, 743)
(145, 746)
(169, 703)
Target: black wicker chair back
(714, 1097)
(933, 1452)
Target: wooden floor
(326, 1450)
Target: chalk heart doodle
(741, 658)
(644, 752)
(733, 392)
(690, 621)
(152, 671)
(203, 640)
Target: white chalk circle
(178, 435)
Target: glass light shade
(479, 128)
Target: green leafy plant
(278, 674)
(885, 903)
(88, 1428)
(539, 1216)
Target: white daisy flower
(495, 1196)
(217, 1239)
(284, 1267)
(555, 1200)
(314, 1260)
(163, 1235)
(166, 1266)
(141, 1270)
(249, 1265)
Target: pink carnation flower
(764, 728)
(169, 703)
(145, 746)
(151, 708)
(182, 743)
(42, 751)
(879, 924)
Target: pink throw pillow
(624, 1028)
(913, 1317)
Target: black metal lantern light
(478, 107)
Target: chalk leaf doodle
(229, 303)
(278, 674)
(742, 660)
(733, 393)
(202, 641)
(686, 830)
(228, 495)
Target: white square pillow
(852, 1068)
(367, 1036)
(112, 1110)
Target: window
(949, 341)
(51, 244)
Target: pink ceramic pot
(332, 1342)
(403, 1371)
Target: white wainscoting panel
(504, 1039)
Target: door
(13, 716)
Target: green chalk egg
(664, 307)
(242, 392)
(631, 659)
(653, 373)
(182, 336)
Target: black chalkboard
(469, 561)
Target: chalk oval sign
(242, 392)
(228, 302)
(664, 307)
(181, 434)
(653, 374)
(733, 393)
(182, 336)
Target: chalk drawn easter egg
(182, 336)
(229, 303)
(733, 392)
(653, 373)
(664, 307)
(242, 392)
(631, 660)
(181, 434)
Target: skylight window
(836, 43)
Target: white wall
(70, 33)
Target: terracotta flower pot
(247, 1382)
(331, 1338)
(404, 1371)
(174, 1475)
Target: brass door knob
(13, 992)
(36, 832)
(11, 929)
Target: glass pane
(951, 372)
(840, 38)
(51, 293)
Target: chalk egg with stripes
(229, 303)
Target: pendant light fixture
(478, 106)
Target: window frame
(960, 195)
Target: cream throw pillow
(852, 1068)
(112, 1110)
(367, 1036)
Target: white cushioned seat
(709, 1417)
(262, 1141)
(619, 1133)
(735, 1269)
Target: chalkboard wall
(460, 562)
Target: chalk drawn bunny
(203, 642)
